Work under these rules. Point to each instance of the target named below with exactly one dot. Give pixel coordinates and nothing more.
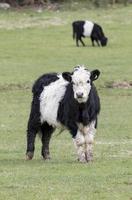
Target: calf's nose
(79, 95)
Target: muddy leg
(89, 140)
(79, 142)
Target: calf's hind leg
(33, 129)
(78, 38)
(47, 131)
(31, 135)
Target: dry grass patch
(30, 22)
(119, 84)
(14, 86)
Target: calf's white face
(81, 84)
(81, 80)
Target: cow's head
(81, 80)
(104, 41)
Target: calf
(67, 100)
(88, 29)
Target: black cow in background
(88, 29)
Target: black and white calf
(67, 100)
(88, 29)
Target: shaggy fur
(70, 112)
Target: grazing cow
(67, 100)
(88, 29)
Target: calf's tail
(74, 30)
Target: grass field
(33, 43)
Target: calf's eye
(88, 81)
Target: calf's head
(104, 41)
(81, 80)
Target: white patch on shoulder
(49, 101)
(88, 27)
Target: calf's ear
(95, 74)
(67, 76)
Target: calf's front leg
(89, 132)
(79, 142)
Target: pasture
(33, 43)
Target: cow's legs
(81, 41)
(46, 136)
(31, 135)
(77, 39)
(83, 142)
(95, 38)
(97, 42)
(92, 39)
(79, 142)
(89, 148)
(32, 130)
(89, 132)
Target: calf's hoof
(29, 155)
(89, 157)
(82, 159)
(46, 156)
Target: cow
(88, 29)
(68, 100)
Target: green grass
(33, 43)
